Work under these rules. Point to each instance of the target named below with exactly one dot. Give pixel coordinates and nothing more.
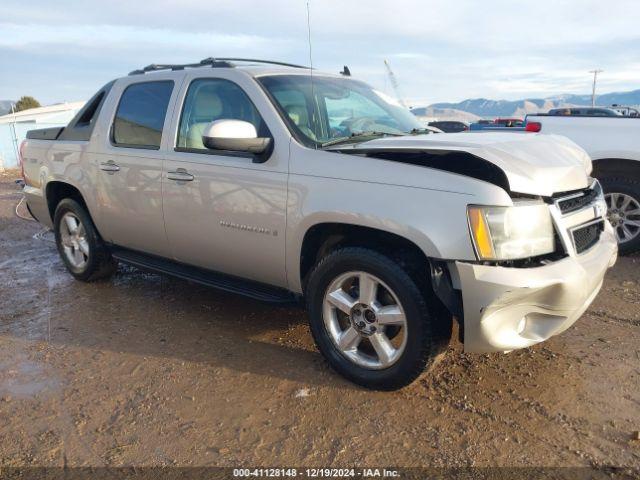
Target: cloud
(439, 51)
(116, 38)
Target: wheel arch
(56, 191)
(418, 257)
(322, 238)
(604, 167)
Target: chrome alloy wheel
(73, 237)
(623, 212)
(365, 320)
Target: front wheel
(370, 320)
(79, 244)
(623, 211)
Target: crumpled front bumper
(510, 308)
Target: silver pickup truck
(270, 181)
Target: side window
(141, 113)
(294, 104)
(210, 99)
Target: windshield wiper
(356, 136)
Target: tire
(82, 250)
(396, 292)
(617, 191)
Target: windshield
(338, 108)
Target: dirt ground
(149, 370)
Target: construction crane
(394, 84)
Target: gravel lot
(149, 370)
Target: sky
(440, 50)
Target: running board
(221, 281)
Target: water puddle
(25, 379)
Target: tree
(25, 103)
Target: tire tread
(103, 265)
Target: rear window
(80, 128)
(141, 113)
(89, 113)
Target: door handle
(180, 175)
(109, 167)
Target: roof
(254, 71)
(211, 62)
(253, 67)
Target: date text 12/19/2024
(316, 472)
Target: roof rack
(251, 60)
(225, 62)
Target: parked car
(282, 186)
(626, 110)
(498, 125)
(613, 143)
(450, 126)
(508, 122)
(430, 129)
(585, 111)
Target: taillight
(21, 158)
(533, 127)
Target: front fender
(434, 220)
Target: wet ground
(149, 370)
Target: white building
(14, 127)
(58, 113)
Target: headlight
(509, 233)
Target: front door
(222, 210)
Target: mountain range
(475, 108)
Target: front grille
(586, 237)
(580, 200)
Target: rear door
(129, 166)
(223, 210)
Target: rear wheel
(623, 211)
(81, 248)
(370, 320)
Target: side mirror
(234, 135)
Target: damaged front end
(459, 162)
(540, 260)
(509, 306)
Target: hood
(535, 164)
